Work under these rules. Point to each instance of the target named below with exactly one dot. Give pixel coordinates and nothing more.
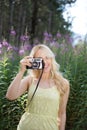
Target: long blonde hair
(56, 75)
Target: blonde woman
(47, 110)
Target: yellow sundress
(42, 113)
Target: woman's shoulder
(67, 84)
(66, 81)
(28, 79)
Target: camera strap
(36, 87)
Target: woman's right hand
(25, 62)
(19, 86)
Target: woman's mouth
(46, 67)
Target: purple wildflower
(21, 52)
(50, 35)
(52, 43)
(15, 48)
(66, 36)
(27, 47)
(58, 35)
(46, 34)
(24, 38)
(47, 39)
(57, 45)
(62, 45)
(5, 43)
(0, 45)
(36, 41)
(13, 33)
(9, 48)
(70, 40)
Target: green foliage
(10, 111)
(73, 64)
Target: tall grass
(10, 111)
(77, 105)
(73, 64)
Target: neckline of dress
(46, 87)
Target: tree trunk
(23, 23)
(11, 10)
(33, 20)
(50, 22)
(1, 13)
(19, 25)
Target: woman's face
(47, 60)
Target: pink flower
(58, 35)
(9, 48)
(5, 43)
(21, 52)
(24, 38)
(0, 45)
(27, 47)
(46, 34)
(13, 33)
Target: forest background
(24, 24)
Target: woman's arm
(62, 109)
(18, 86)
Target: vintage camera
(36, 63)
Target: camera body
(36, 63)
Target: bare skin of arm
(62, 109)
(19, 86)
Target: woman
(47, 109)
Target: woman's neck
(45, 76)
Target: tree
(35, 15)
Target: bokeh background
(24, 24)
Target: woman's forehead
(42, 53)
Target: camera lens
(35, 64)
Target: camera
(36, 63)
